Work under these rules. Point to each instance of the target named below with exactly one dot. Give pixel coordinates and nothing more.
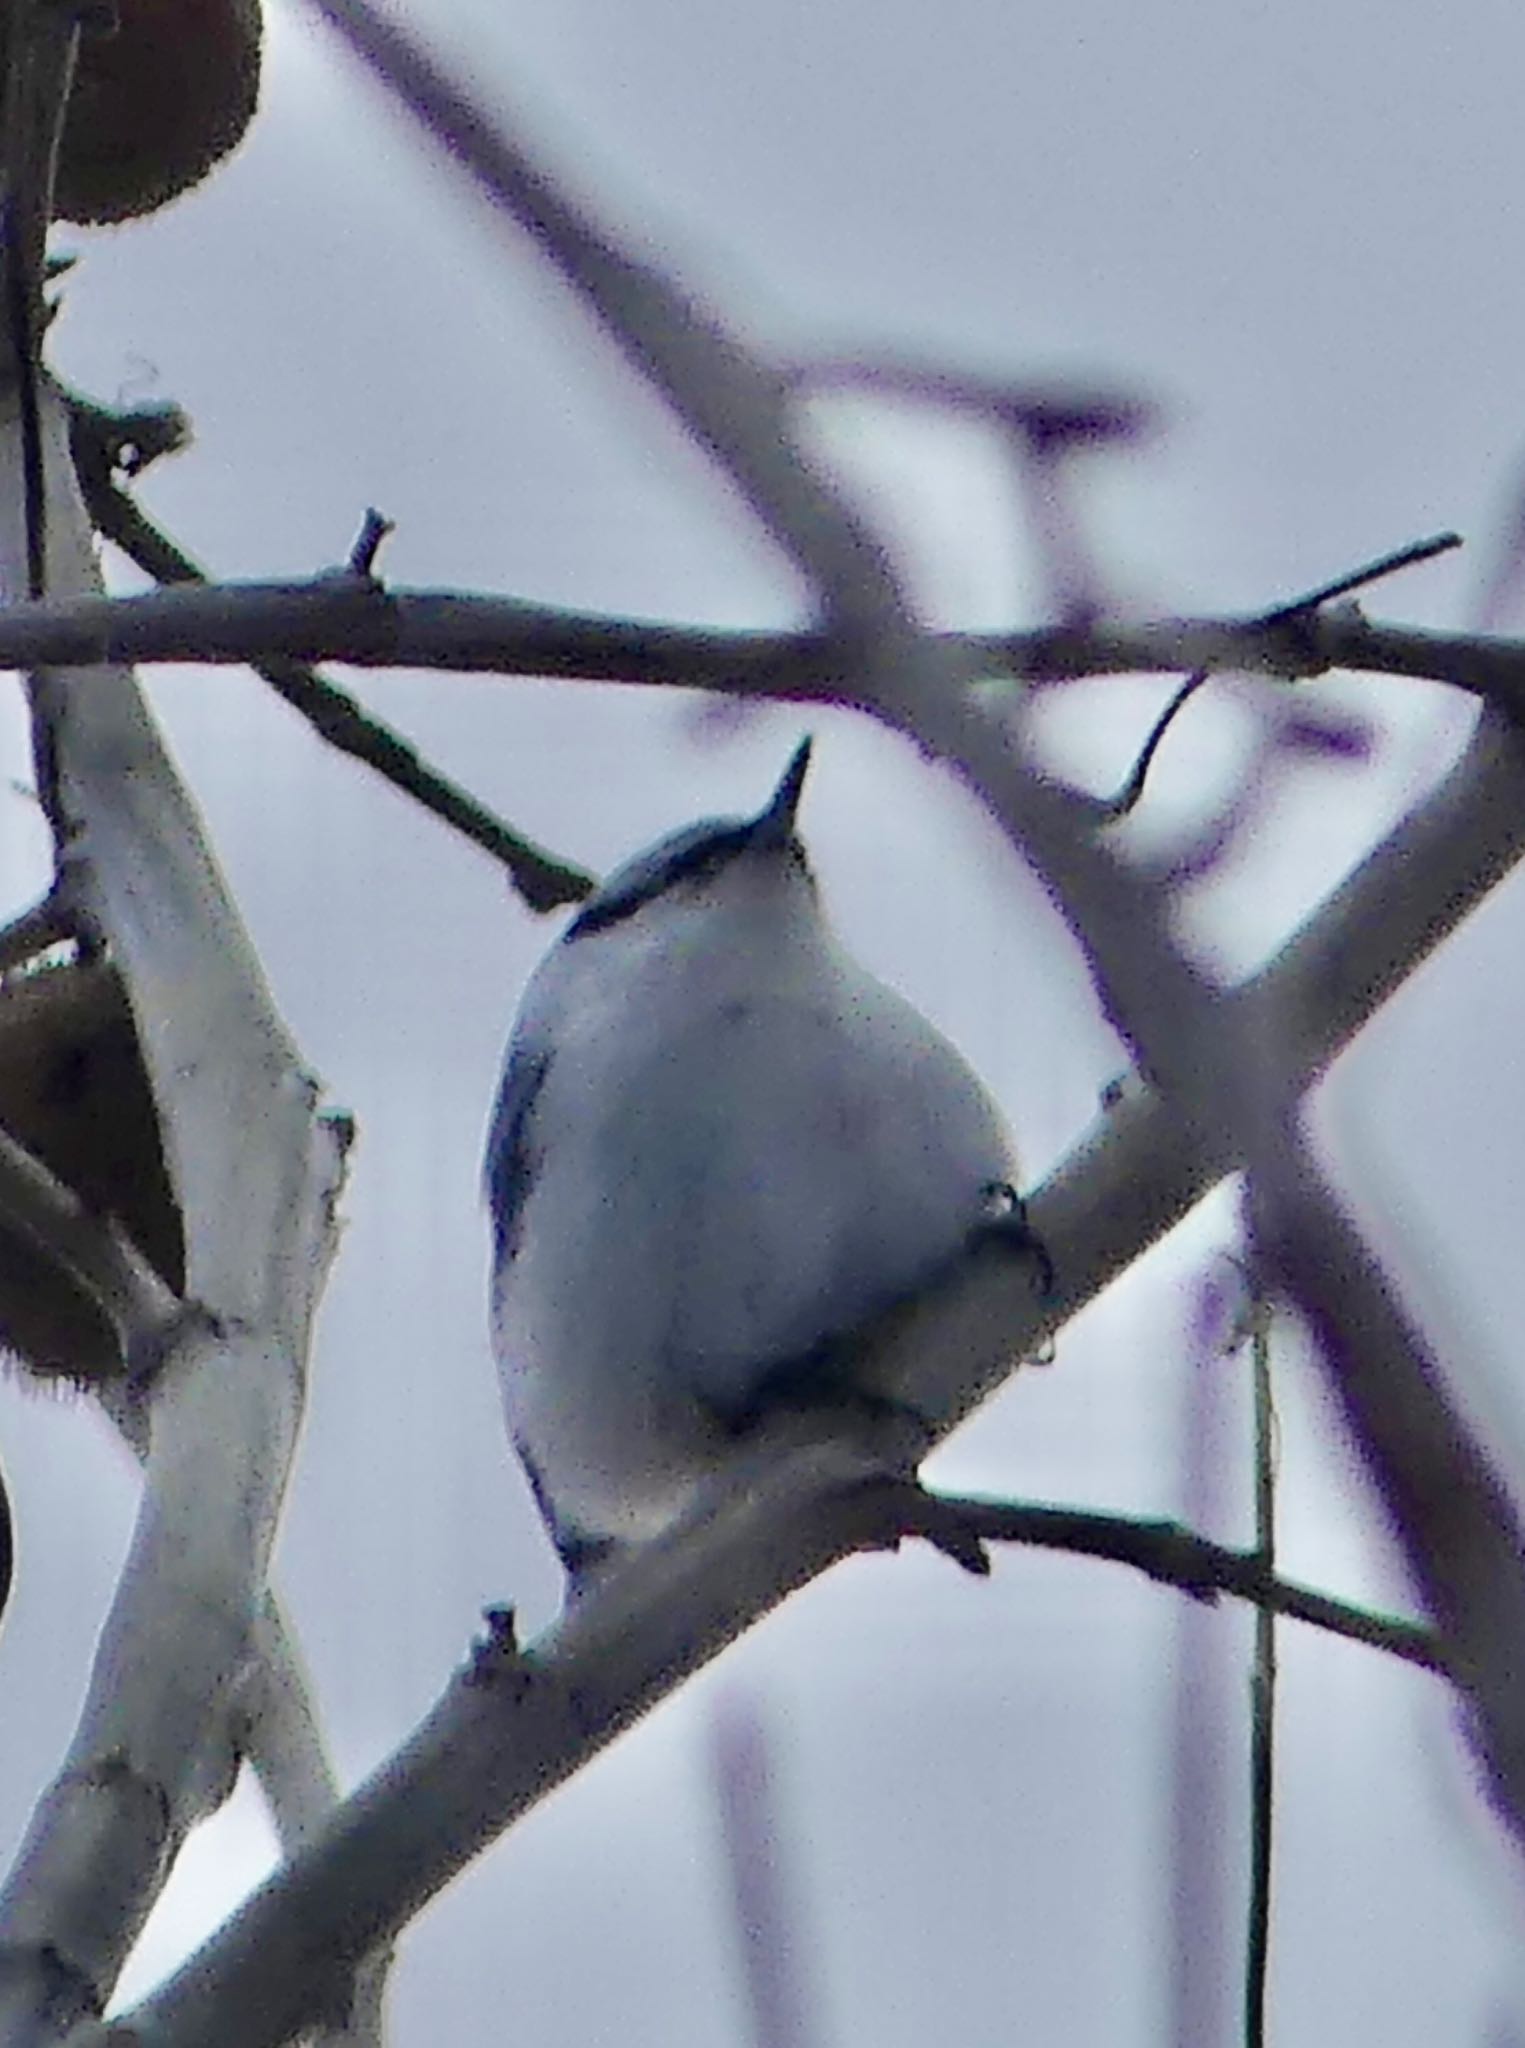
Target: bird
(720, 1147)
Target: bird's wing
(509, 1167)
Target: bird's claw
(1006, 1220)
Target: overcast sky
(1294, 228)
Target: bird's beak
(775, 824)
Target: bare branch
(1369, 572)
(1173, 1555)
(736, 407)
(1231, 1069)
(1141, 1170)
(543, 881)
(1262, 1693)
(1138, 1173)
(503, 1735)
(1067, 413)
(1459, 1527)
(506, 1733)
(483, 1756)
(7, 1544)
(374, 529)
(1127, 798)
(472, 632)
(95, 1251)
(254, 1172)
(768, 1921)
(1300, 609)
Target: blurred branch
(1454, 1516)
(99, 439)
(736, 407)
(519, 1723)
(1235, 1072)
(767, 1914)
(1232, 1073)
(1067, 414)
(1194, 1899)
(1043, 427)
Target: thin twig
(373, 531)
(1262, 1690)
(1370, 572)
(1128, 796)
(1193, 1564)
(541, 879)
(7, 1544)
(1449, 1502)
(1195, 1902)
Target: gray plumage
(719, 1145)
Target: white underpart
(744, 1143)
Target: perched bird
(720, 1147)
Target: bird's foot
(902, 1507)
(1005, 1221)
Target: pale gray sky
(1296, 228)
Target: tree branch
(255, 1174)
(1231, 1071)
(736, 407)
(336, 617)
(542, 881)
(519, 1725)
(1173, 1555)
(516, 1724)
(95, 1251)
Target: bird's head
(718, 861)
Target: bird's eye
(703, 868)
